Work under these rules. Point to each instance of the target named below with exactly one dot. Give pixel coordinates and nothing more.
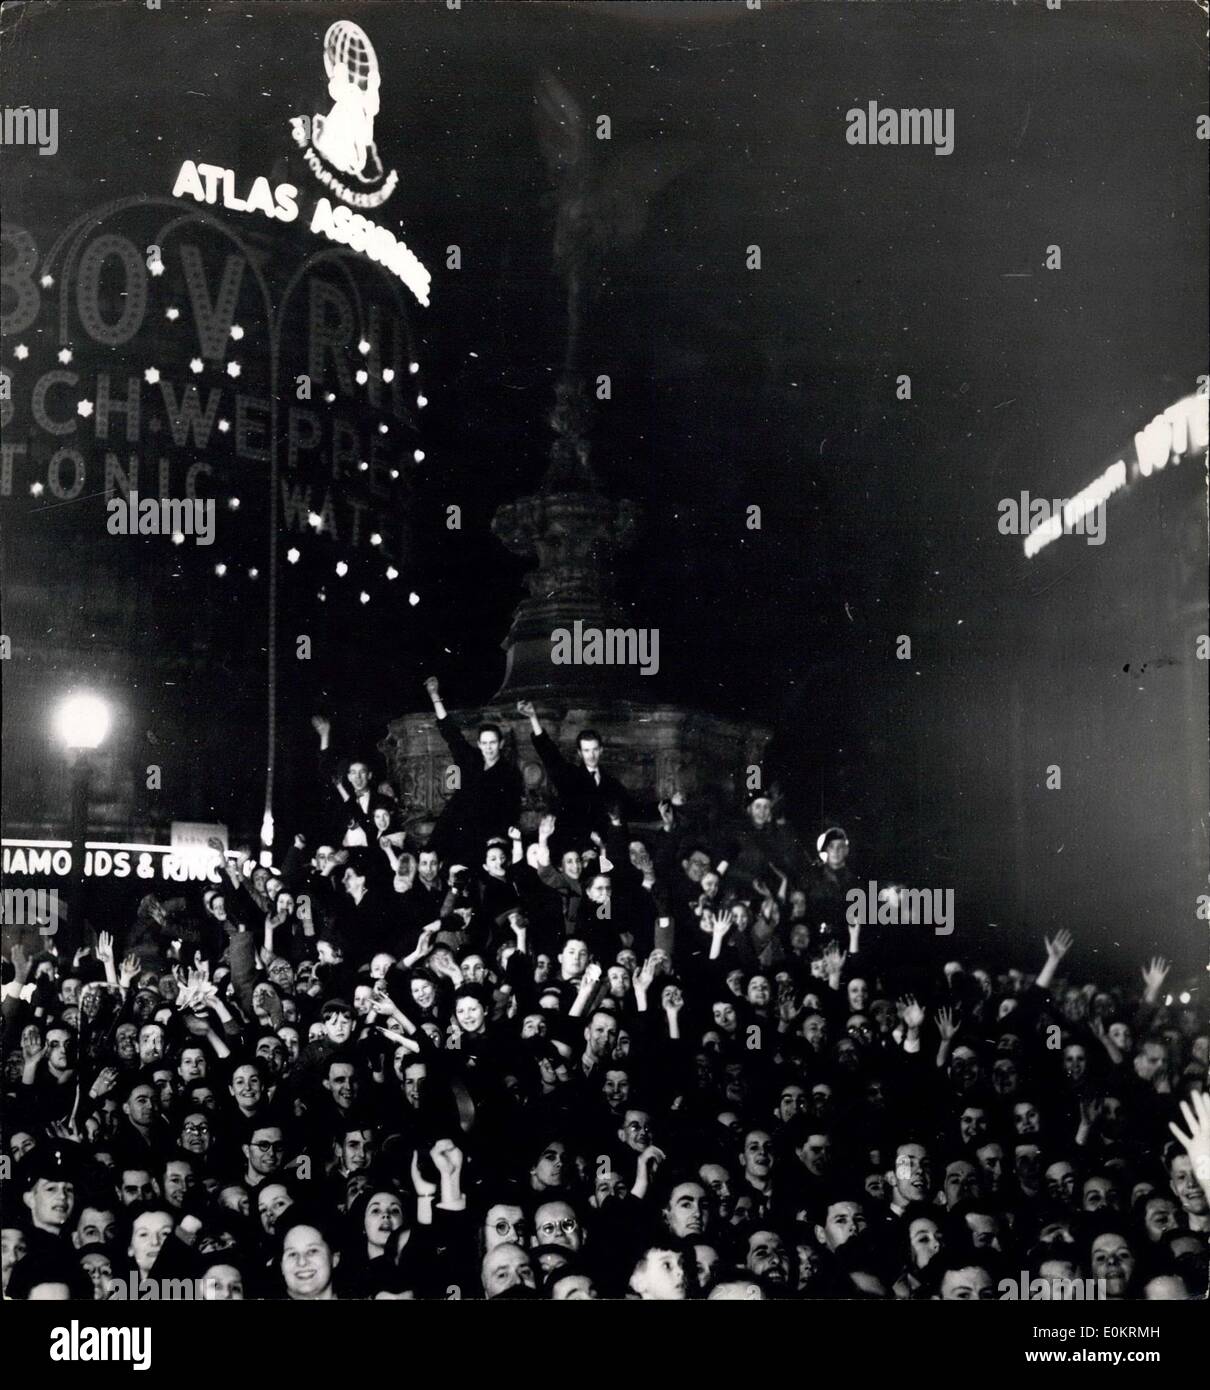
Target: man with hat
(831, 881)
(765, 848)
(49, 1182)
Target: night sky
(730, 387)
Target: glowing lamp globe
(82, 721)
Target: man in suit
(353, 815)
(587, 793)
(488, 801)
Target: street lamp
(81, 721)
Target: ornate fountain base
(653, 750)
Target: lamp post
(81, 722)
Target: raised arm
(1196, 1114)
(433, 686)
(526, 709)
(546, 828)
(1055, 951)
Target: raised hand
(913, 1013)
(322, 726)
(447, 1157)
(591, 978)
(946, 1023)
(1154, 975)
(650, 1159)
(526, 709)
(834, 959)
(721, 924)
(433, 686)
(128, 972)
(106, 1080)
(105, 947)
(1059, 947)
(1196, 1113)
(644, 977)
(513, 833)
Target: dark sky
(731, 387)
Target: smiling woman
(306, 1259)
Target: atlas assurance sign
(340, 150)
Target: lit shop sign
(339, 149)
(1182, 429)
(106, 859)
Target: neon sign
(340, 150)
(1181, 430)
(342, 142)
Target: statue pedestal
(576, 533)
(652, 749)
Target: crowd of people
(617, 1057)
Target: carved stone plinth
(654, 750)
(576, 537)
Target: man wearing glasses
(264, 1151)
(196, 1134)
(555, 1223)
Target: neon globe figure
(345, 136)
